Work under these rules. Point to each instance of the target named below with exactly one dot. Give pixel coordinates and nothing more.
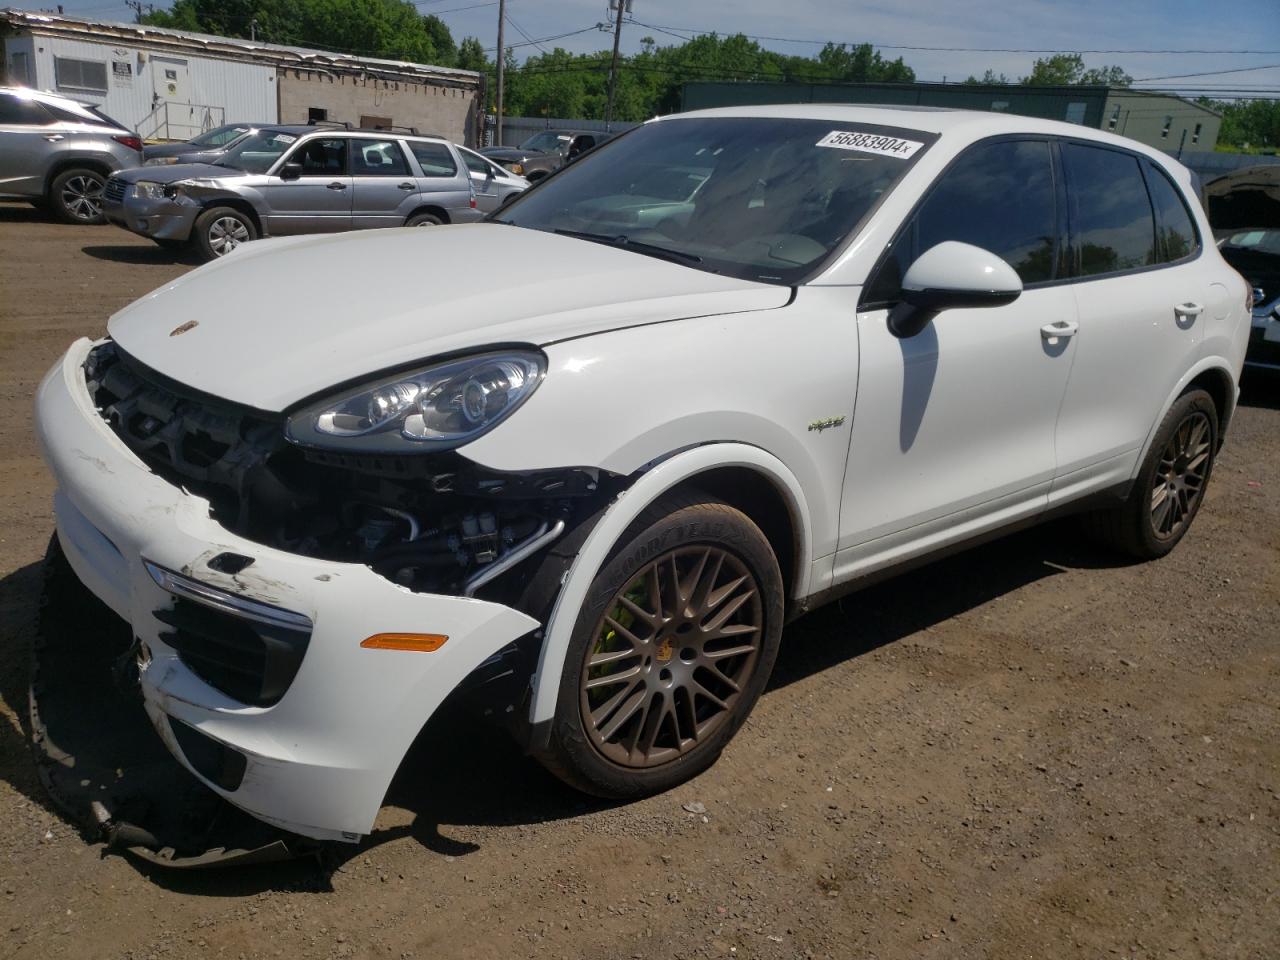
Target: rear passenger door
(442, 183)
(25, 145)
(1141, 287)
(319, 200)
(384, 186)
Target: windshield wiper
(639, 246)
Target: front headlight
(160, 161)
(516, 168)
(150, 190)
(437, 408)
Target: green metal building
(1160, 120)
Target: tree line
(557, 83)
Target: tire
(75, 196)
(605, 739)
(1169, 488)
(219, 230)
(423, 220)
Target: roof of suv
(298, 129)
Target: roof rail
(340, 124)
(394, 128)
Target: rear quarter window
(1176, 231)
(435, 159)
(1111, 213)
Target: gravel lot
(1024, 751)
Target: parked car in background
(588, 475)
(58, 152)
(493, 184)
(202, 149)
(1256, 254)
(546, 152)
(295, 179)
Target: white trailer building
(171, 85)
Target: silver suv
(298, 179)
(58, 152)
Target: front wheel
(671, 650)
(1170, 485)
(220, 230)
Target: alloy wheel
(225, 234)
(1180, 475)
(82, 196)
(671, 657)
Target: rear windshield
(81, 113)
(763, 199)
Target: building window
(317, 115)
(1195, 136)
(1164, 131)
(20, 69)
(86, 75)
(1075, 112)
(1115, 118)
(1000, 106)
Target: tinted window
(19, 111)
(998, 196)
(435, 159)
(80, 74)
(1111, 215)
(321, 158)
(378, 158)
(1176, 232)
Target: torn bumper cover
(253, 674)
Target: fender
(1211, 362)
(628, 506)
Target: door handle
(1061, 328)
(1189, 309)
(55, 137)
(406, 186)
(337, 186)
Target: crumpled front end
(274, 675)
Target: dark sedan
(202, 149)
(545, 152)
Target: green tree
(1247, 124)
(1068, 68)
(989, 77)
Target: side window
(17, 111)
(1175, 229)
(378, 158)
(435, 159)
(477, 164)
(87, 75)
(322, 158)
(1110, 211)
(998, 196)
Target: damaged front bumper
(314, 751)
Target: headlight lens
(438, 408)
(150, 189)
(516, 168)
(160, 161)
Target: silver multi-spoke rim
(225, 234)
(671, 656)
(1180, 475)
(82, 196)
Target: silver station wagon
(305, 179)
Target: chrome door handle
(406, 186)
(1061, 328)
(55, 137)
(1189, 309)
(337, 186)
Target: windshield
(761, 199)
(256, 153)
(218, 136)
(547, 141)
(1263, 241)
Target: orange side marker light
(415, 642)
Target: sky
(1248, 29)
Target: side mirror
(291, 171)
(949, 276)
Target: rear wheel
(75, 195)
(1170, 486)
(220, 230)
(671, 650)
(423, 220)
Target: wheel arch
(1212, 374)
(431, 208)
(235, 203)
(63, 164)
(745, 476)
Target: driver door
(953, 430)
(319, 200)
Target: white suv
(595, 483)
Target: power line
(1209, 73)
(541, 40)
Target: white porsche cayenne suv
(731, 364)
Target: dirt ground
(1028, 750)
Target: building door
(179, 118)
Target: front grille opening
(249, 661)
(201, 450)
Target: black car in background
(546, 152)
(1256, 254)
(202, 149)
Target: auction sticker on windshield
(870, 143)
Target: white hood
(280, 320)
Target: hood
(169, 149)
(1245, 198)
(281, 320)
(510, 153)
(173, 172)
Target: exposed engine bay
(429, 522)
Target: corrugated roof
(229, 48)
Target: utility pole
(613, 66)
(502, 63)
(136, 6)
(253, 30)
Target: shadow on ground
(481, 778)
(136, 253)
